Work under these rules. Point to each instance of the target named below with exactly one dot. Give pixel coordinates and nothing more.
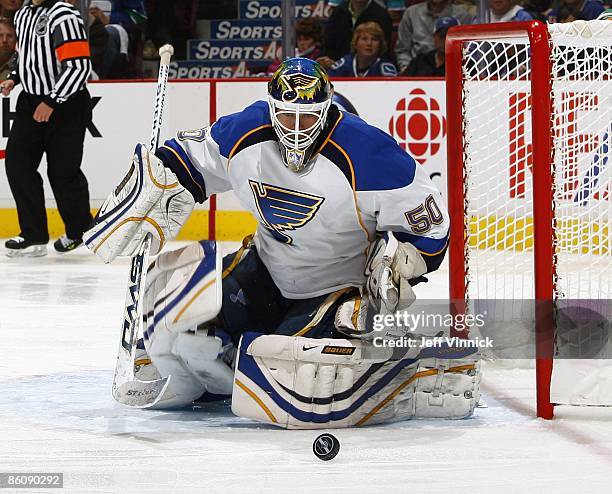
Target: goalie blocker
(149, 200)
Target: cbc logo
(418, 125)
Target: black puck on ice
(326, 447)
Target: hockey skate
(66, 244)
(20, 247)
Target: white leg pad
(303, 383)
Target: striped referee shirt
(53, 52)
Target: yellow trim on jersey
(178, 157)
(354, 187)
(239, 141)
(257, 400)
(237, 258)
(358, 300)
(435, 253)
(322, 310)
(330, 134)
(414, 377)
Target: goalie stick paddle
(127, 389)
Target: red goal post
(527, 220)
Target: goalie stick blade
(141, 394)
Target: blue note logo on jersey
(284, 209)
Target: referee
(53, 110)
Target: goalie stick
(127, 389)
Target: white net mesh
(582, 90)
(498, 161)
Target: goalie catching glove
(390, 267)
(149, 200)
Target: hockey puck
(326, 447)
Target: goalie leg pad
(183, 289)
(183, 293)
(304, 383)
(149, 200)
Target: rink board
(411, 110)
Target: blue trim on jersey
(426, 245)
(433, 250)
(174, 157)
(378, 162)
(229, 130)
(172, 143)
(194, 173)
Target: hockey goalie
(348, 223)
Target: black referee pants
(61, 138)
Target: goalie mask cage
(529, 180)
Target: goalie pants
(252, 302)
(61, 138)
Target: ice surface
(59, 324)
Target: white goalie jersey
(315, 227)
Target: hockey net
(530, 183)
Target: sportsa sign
(271, 9)
(205, 49)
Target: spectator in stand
(415, 33)
(497, 59)
(9, 7)
(123, 21)
(337, 3)
(508, 11)
(342, 22)
(307, 41)
(396, 10)
(538, 9)
(98, 42)
(365, 59)
(432, 63)
(8, 40)
(576, 10)
(170, 22)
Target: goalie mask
(299, 96)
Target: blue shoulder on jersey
(229, 131)
(377, 161)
